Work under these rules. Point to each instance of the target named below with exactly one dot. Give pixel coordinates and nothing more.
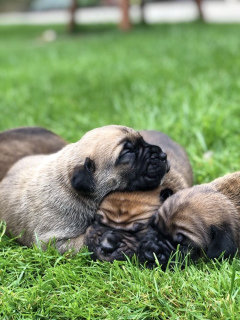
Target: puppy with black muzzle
(203, 221)
(18, 143)
(122, 218)
(55, 196)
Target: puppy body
(202, 220)
(122, 217)
(21, 142)
(56, 196)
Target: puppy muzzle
(153, 246)
(151, 167)
(112, 245)
(158, 247)
(109, 244)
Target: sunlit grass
(180, 79)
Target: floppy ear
(222, 243)
(82, 179)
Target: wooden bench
(125, 23)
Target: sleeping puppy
(202, 221)
(122, 218)
(21, 142)
(55, 196)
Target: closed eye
(181, 239)
(124, 152)
(128, 145)
(127, 154)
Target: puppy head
(199, 221)
(121, 222)
(115, 158)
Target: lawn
(180, 79)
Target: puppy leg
(74, 243)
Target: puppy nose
(163, 156)
(109, 242)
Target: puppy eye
(166, 193)
(127, 154)
(129, 146)
(179, 237)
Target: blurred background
(173, 66)
(118, 11)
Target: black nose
(163, 156)
(109, 242)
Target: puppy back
(21, 142)
(229, 185)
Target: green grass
(180, 79)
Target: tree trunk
(142, 11)
(125, 23)
(72, 11)
(200, 11)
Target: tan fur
(192, 211)
(36, 196)
(122, 218)
(21, 142)
(123, 209)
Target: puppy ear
(82, 180)
(222, 243)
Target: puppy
(202, 221)
(55, 196)
(122, 218)
(21, 142)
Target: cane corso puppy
(122, 218)
(55, 196)
(21, 142)
(203, 221)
